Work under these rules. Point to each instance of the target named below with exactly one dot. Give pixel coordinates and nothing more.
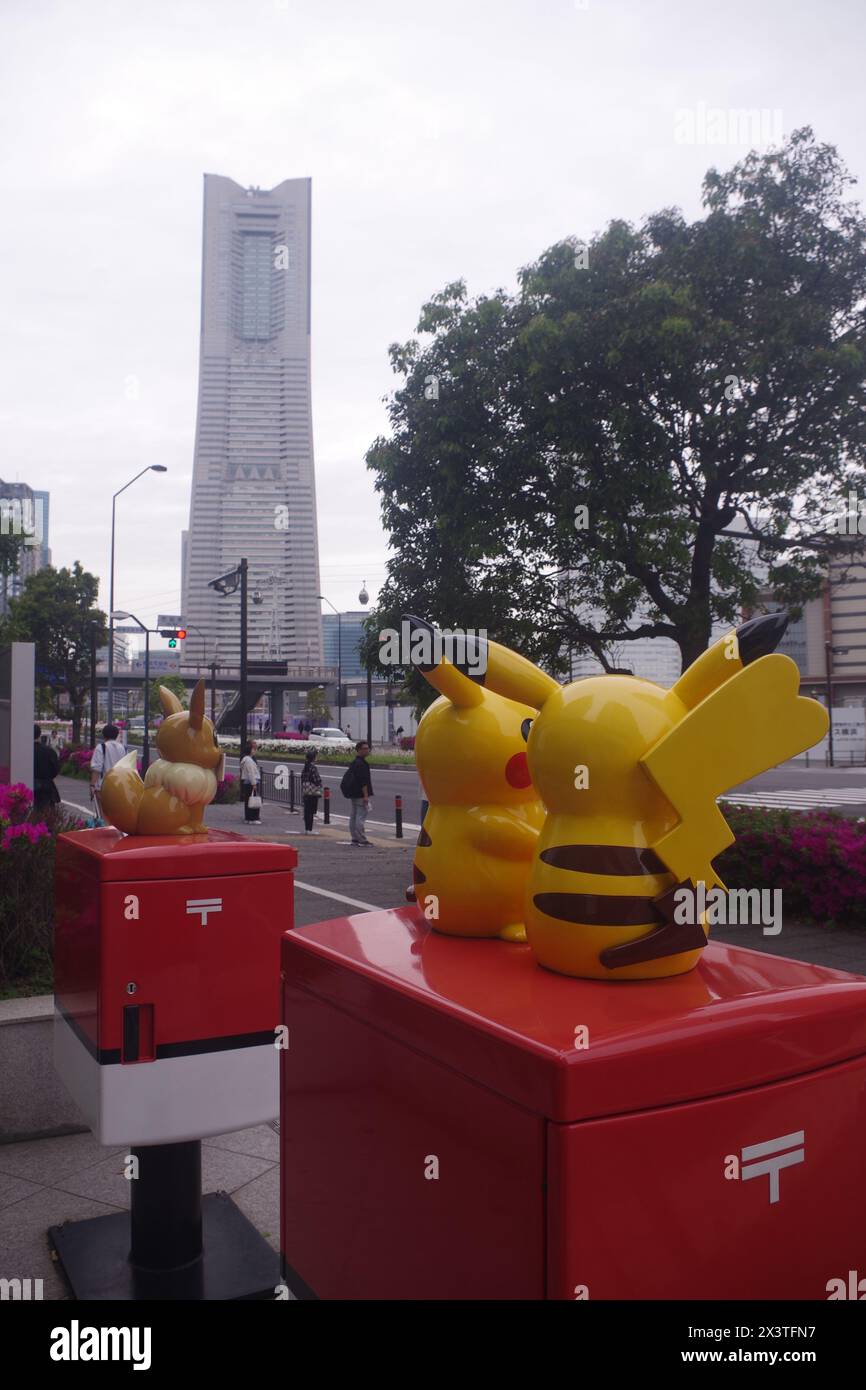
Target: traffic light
(174, 634)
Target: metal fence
(840, 759)
(283, 785)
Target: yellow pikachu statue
(480, 831)
(629, 774)
(179, 785)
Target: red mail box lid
(112, 857)
(740, 1019)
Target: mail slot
(167, 981)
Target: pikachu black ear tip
(760, 636)
(419, 625)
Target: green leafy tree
(10, 555)
(56, 611)
(173, 683)
(318, 709)
(649, 432)
(409, 686)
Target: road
(387, 783)
(791, 785)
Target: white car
(335, 737)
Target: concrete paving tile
(103, 1182)
(24, 1250)
(13, 1189)
(260, 1201)
(47, 1161)
(222, 1171)
(260, 1142)
(225, 1171)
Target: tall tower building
(23, 513)
(253, 486)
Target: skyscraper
(253, 487)
(23, 513)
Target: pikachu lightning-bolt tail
(629, 774)
(752, 722)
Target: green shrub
(28, 841)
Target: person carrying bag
(251, 778)
(311, 790)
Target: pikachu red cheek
(517, 771)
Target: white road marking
(339, 897)
(800, 800)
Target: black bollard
(398, 815)
(327, 799)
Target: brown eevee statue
(179, 785)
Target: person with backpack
(357, 787)
(46, 766)
(311, 790)
(107, 752)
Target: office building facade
(23, 513)
(344, 637)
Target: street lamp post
(364, 598)
(94, 693)
(339, 661)
(227, 584)
(213, 670)
(151, 468)
(145, 752)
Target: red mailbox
(458, 1123)
(166, 980)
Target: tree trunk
(693, 633)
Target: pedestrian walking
(46, 766)
(311, 790)
(357, 786)
(251, 778)
(107, 752)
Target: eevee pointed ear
(169, 701)
(196, 706)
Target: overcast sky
(447, 139)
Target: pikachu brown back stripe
(598, 909)
(623, 860)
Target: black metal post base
(172, 1245)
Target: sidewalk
(50, 1181)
